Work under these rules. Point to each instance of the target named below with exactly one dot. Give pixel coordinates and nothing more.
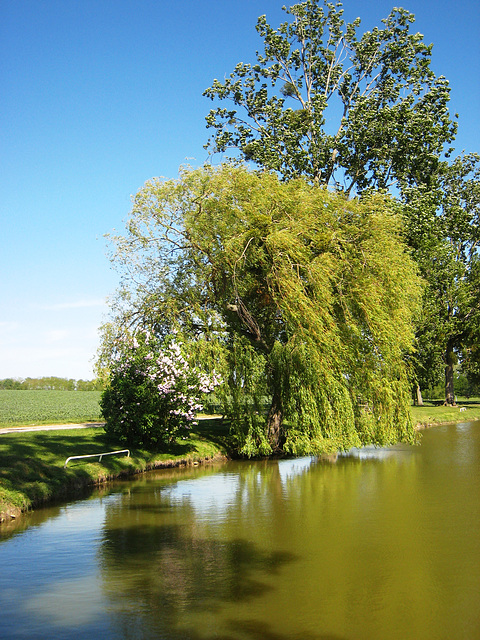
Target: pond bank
(9, 511)
(32, 457)
(434, 413)
(32, 472)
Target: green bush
(153, 394)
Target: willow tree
(308, 297)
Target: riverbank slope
(32, 461)
(435, 413)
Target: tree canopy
(353, 111)
(442, 225)
(302, 299)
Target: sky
(98, 96)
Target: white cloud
(57, 335)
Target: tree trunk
(419, 397)
(274, 423)
(449, 385)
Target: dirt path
(51, 427)
(80, 425)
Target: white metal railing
(97, 455)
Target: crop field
(48, 407)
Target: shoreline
(33, 473)
(79, 483)
(11, 512)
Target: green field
(25, 407)
(48, 407)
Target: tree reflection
(160, 567)
(285, 550)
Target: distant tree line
(51, 384)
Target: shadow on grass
(30, 481)
(216, 430)
(470, 402)
(32, 464)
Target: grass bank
(434, 413)
(32, 463)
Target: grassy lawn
(32, 463)
(433, 412)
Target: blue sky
(98, 96)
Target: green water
(383, 544)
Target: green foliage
(245, 398)
(308, 297)
(464, 386)
(389, 108)
(24, 407)
(10, 384)
(442, 225)
(153, 393)
(361, 112)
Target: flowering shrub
(153, 393)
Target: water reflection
(186, 573)
(379, 453)
(381, 544)
(214, 496)
(69, 603)
(289, 469)
(209, 496)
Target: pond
(381, 544)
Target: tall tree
(310, 298)
(337, 108)
(443, 229)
